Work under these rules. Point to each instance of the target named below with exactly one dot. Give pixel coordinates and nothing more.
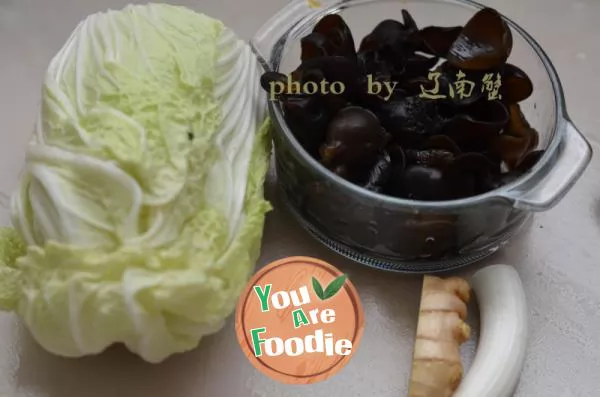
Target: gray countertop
(558, 256)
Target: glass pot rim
(503, 193)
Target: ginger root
(437, 368)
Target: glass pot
(406, 235)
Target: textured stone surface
(557, 257)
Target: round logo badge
(299, 320)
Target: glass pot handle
(573, 156)
(273, 33)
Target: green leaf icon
(335, 286)
(317, 288)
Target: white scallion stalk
(498, 363)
